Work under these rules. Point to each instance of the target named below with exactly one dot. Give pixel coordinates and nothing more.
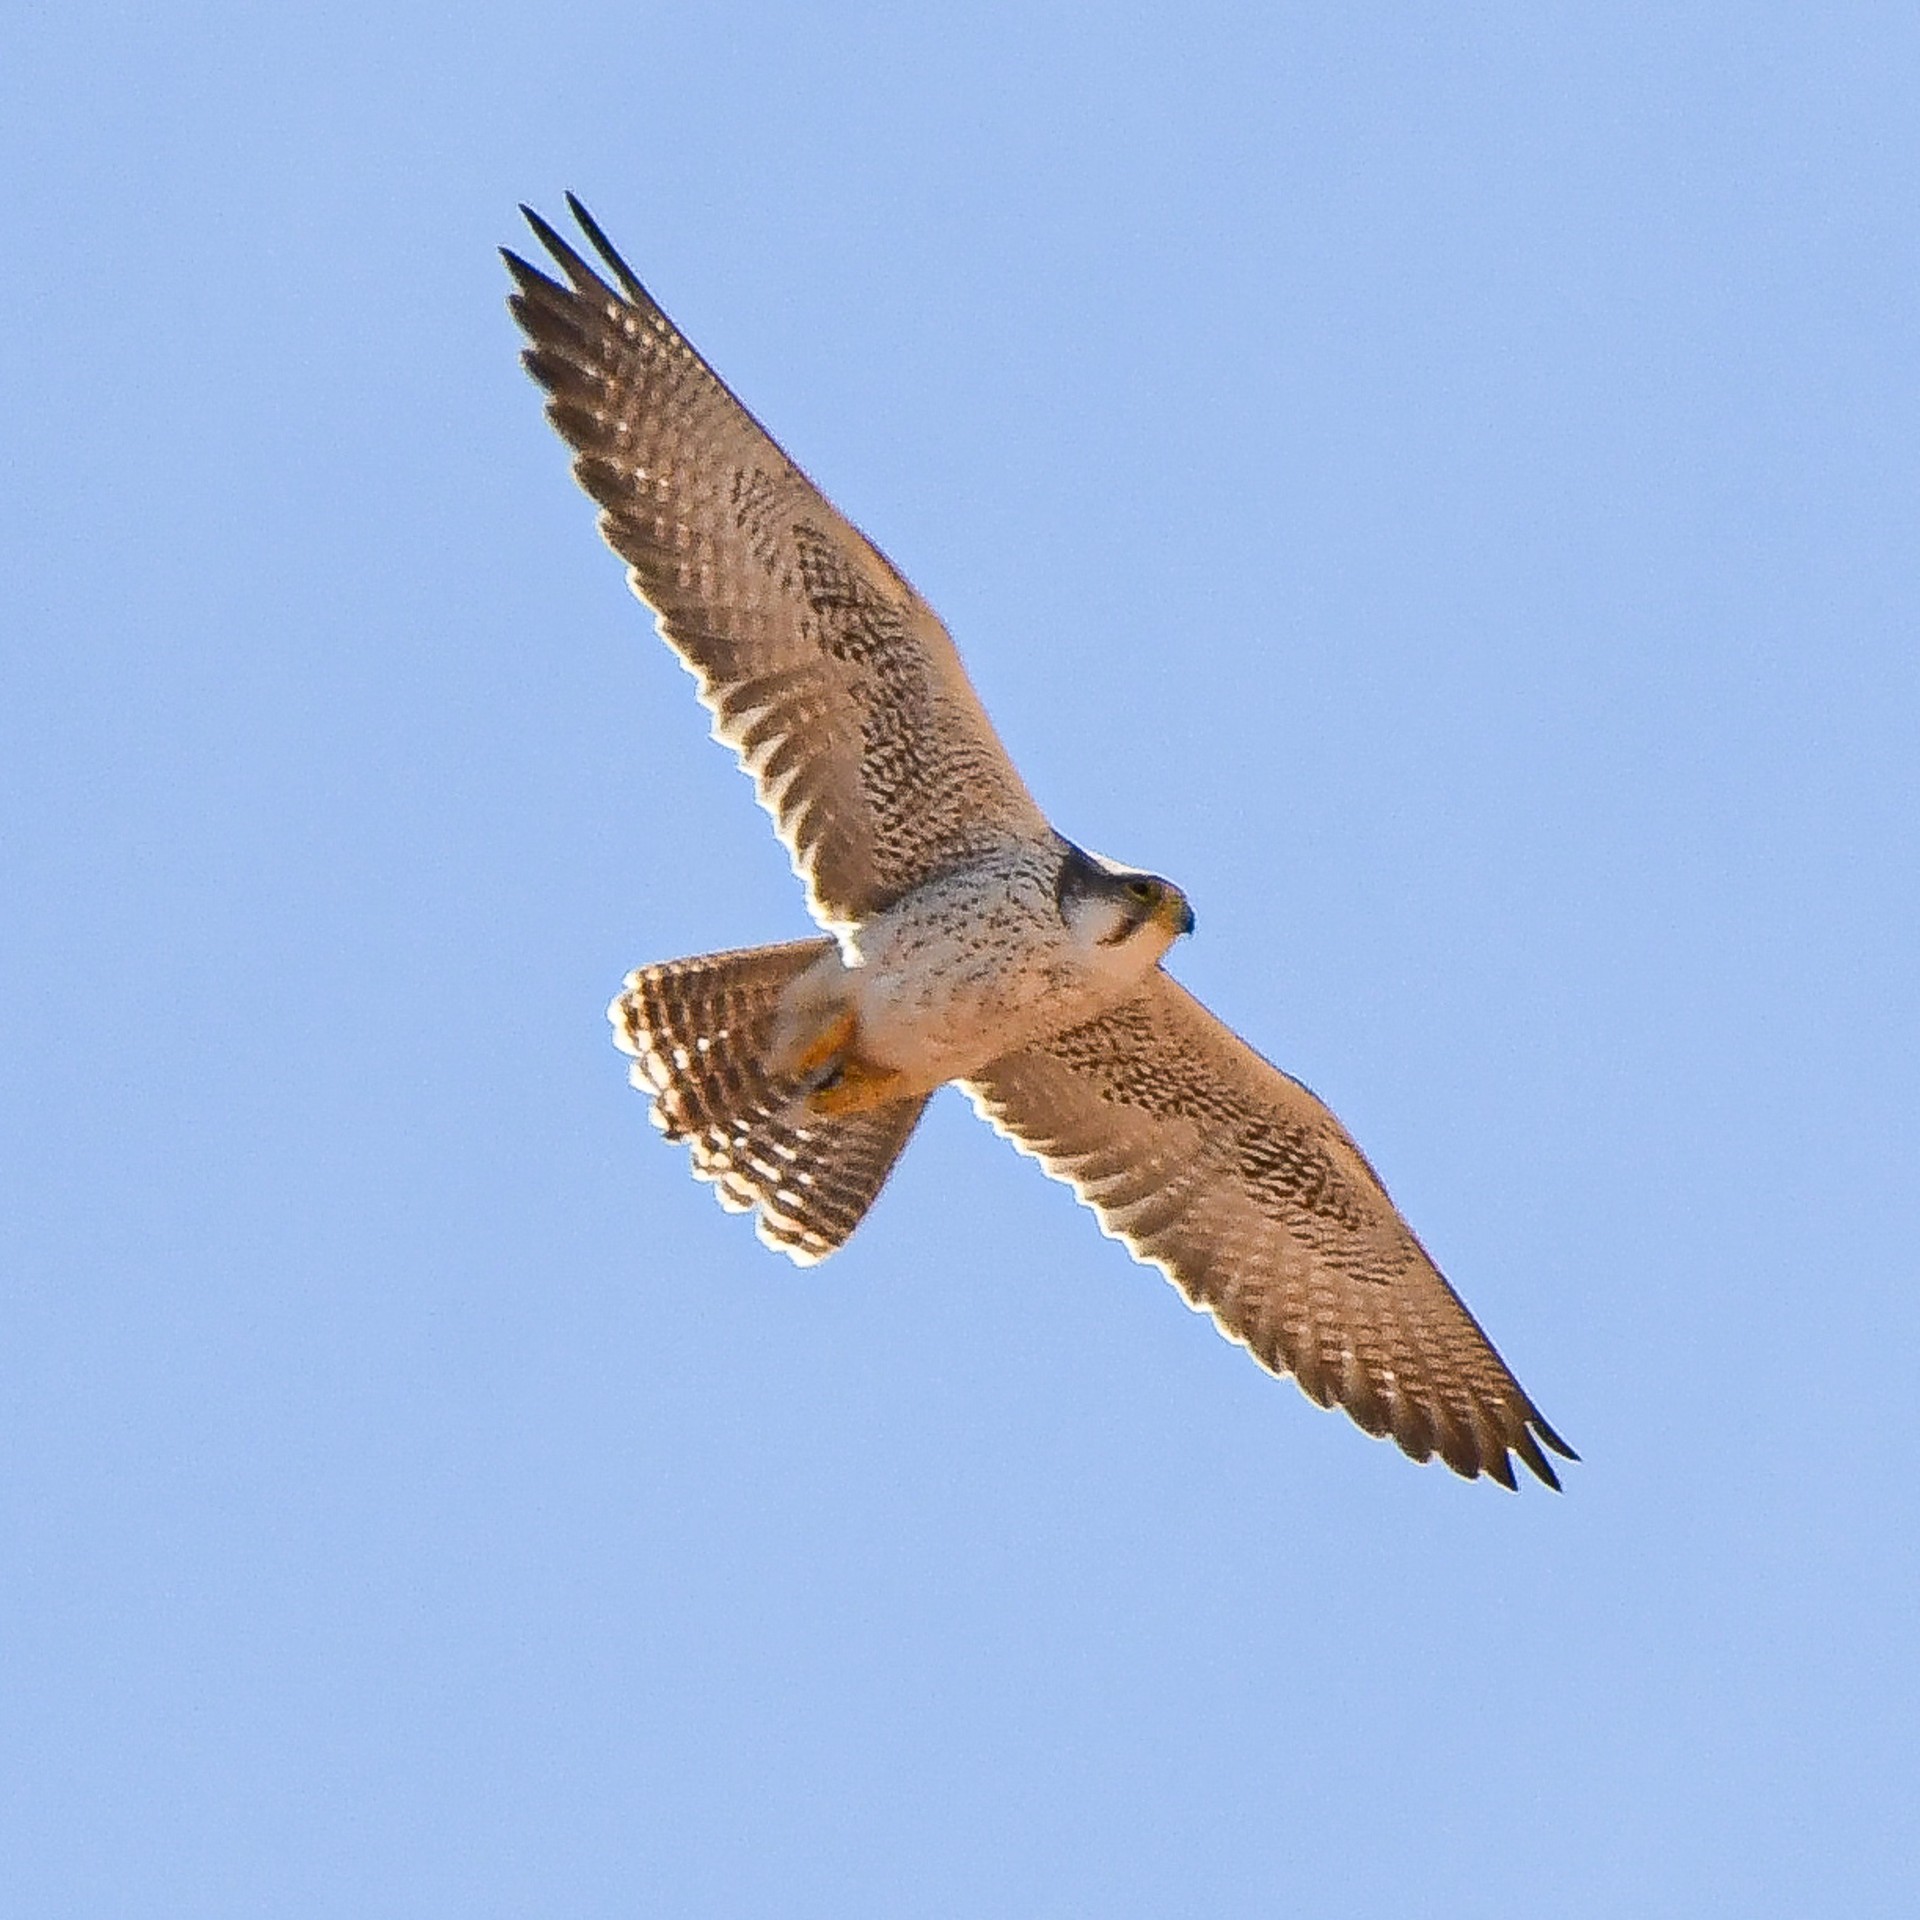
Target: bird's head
(1118, 908)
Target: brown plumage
(699, 1032)
(1239, 1184)
(967, 929)
(802, 635)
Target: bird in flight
(963, 939)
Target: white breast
(977, 963)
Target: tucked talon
(852, 1086)
(813, 1058)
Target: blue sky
(1437, 481)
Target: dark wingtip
(1537, 1463)
(572, 264)
(1552, 1439)
(525, 274)
(547, 234)
(608, 252)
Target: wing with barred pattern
(1213, 1165)
(826, 672)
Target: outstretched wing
(825, 672)
(1239, 1184)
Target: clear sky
(1438, 481)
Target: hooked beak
(1174, 912)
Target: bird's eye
(1140, 889)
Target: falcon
(963, 939)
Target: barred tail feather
(699, 1032)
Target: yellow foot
(853, 1086)
(816, 1052)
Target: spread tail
(700, 1032)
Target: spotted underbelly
(945, 1024)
